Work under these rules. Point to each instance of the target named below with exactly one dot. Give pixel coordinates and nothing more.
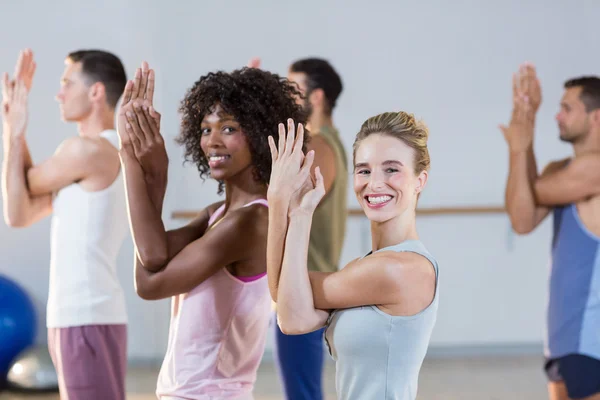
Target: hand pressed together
(291, 181)
(139, 125)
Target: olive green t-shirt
(329, 220)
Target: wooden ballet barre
(358, 212)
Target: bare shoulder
(319, 144)
(210, 209)
(254, 218)
(88, 149)
(554, 166)
(588, 160)
(250, 220)
(405, 266)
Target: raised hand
(139, 125)
(311, 198)
(286, 161)
(519, 132)
(254, 63)
(14, 106)
(25, 68)
(140, 91)
(24, 72)
(291, 181)
(7, 92)
(527, 84)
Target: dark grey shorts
(579, 373)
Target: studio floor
(473, 378)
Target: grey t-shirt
(377, 355)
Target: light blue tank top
(573, 325)
(379, 356)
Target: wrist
(279, 201)
(12, 141)
(156, 179)
(157, 192)
(125, 153)
(300, 213)
(518, 151)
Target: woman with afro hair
(214, 269)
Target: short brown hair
(105, 67)
(590, 91)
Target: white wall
(451, 64)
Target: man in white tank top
(81, 187)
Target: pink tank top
(217, 337)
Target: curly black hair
(257, 99)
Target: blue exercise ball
(18, 327)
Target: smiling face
(224, 144)
(385, 182)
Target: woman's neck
(243, 189)
(394, 231)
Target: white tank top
(88, 230)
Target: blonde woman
(379, 311)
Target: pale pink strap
(217, 212)
(259, 201)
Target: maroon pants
(90, 361)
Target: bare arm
(296, 312)
(145, 216)
(525, 214)
(20, 207)
(566, 182)
(324, 159)
(203, 257)
(76, 159)
(34, 185)
(520, 198)
(293, 196)
(174, 262)
(154, 246)
(145, 165)
(279, 202)
(276, 239)
(385, 278)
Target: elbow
(292, 329)
(145, 292)
(144, 295)
(520, 226)
(15, 221)
(273, 291)
(153, 264)
(145, 287)
(543, 197)
(273, 295)
(290, 325)
(522, 230)
(151, 260)
(522, 220)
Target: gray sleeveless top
(379, 356)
